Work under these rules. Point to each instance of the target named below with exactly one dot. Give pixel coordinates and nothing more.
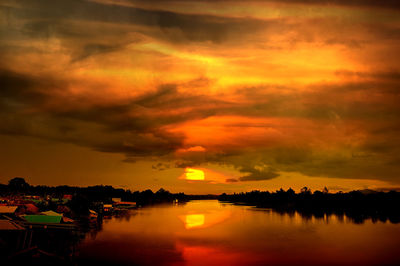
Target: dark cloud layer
(359, 3)
(89, 28)
(259, 175)
(48, 17)
(345, 128)
(21, 93)
(133, 130)
(391, 4)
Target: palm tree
(305, 190)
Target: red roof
(30, 208)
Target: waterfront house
(8, 210)
(125, 205)
(107, 208)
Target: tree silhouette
(356, 205)
(305, 190)
(18, 184)
(290, 192)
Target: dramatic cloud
(265, 88)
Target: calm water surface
(212, 233)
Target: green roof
(42, 219)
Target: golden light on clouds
(305, 88)
(194, 174)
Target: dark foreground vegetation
(98, 193)
(81, 199)
(356, 205)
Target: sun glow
(194, 174)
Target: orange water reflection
(203, 255)
(212, 233)
(194, 220)
(204, 220)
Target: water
(212, 233)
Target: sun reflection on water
(194, 220)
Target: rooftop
(9, 225)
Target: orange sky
(256, 94)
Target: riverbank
(357, 205)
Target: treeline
(100, 193)
(357, 205)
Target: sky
(201, 96)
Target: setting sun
(194, 174)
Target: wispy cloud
(311, 92)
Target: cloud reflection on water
(213, 233)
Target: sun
(194, 174)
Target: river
(209, 232)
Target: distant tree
(290, 191)
(325, 190)
(146, 197)
(280, 191)
(305, 190)
(147, 192)
(162, 191)
(18, 184)
(318, 193)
